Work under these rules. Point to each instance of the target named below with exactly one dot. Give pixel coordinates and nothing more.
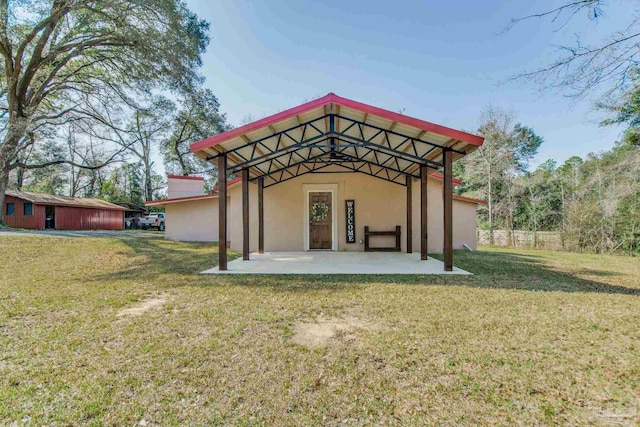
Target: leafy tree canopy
(84, 62)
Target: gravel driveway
(82, 233)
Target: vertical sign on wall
(350, 212)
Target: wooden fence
(550, 240)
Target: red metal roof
(161, 202)
(231, 183)
(332, 98)
(52, 200)
(198, 178)
(469, 199)
(280, 144)
(439, 176)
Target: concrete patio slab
(321, 262)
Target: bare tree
(198, 117)
(146, 131)
(506, 151)
(581, 69)
(81, 150)
(493, 156)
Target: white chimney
(184, 186)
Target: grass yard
(123, 332)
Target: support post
(424, 173)
(245, 214)
(448, 210)
(222, 212)
(261, 215)
(409, 216)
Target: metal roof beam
(374, 149)
(275, 134)
(349, 169)
(348, 159)
(392, 132)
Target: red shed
(39, 211)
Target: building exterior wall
(193, 221)
(184, 186)
(66, 217)
(234, 217)
(72, 218)
(18, 220)
(379, 204)
(435, 229)
(464, 219)
(464, 225)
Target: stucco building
(192, 215)
(315, 177)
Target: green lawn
(534, 338)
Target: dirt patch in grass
(608, 418)
(144, 305)
(325, 331)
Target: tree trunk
(183, 166)
(512, 229)
(562, 225)
(16, 130)
(148, 186)
(4, 182)
(490, 203)
(73, 184)
(19, 178)
(601, 244)
(7, 155)
(534, 216)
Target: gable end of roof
(332, 98)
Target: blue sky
(440, 61)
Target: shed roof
(131, 207)
(336, 134)
(50, 199)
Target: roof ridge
(332, 98)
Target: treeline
(91, 92)
(125, 153)
(594, 203)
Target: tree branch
(113, 159)
(579, 70)
(577, 6)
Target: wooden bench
(368, 234)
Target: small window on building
(11, 209)
(28, 209)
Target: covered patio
(325, 262)
(335, 135)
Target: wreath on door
(319, 211)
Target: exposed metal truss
(337, 157)
(356, 147)
(341, 166)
